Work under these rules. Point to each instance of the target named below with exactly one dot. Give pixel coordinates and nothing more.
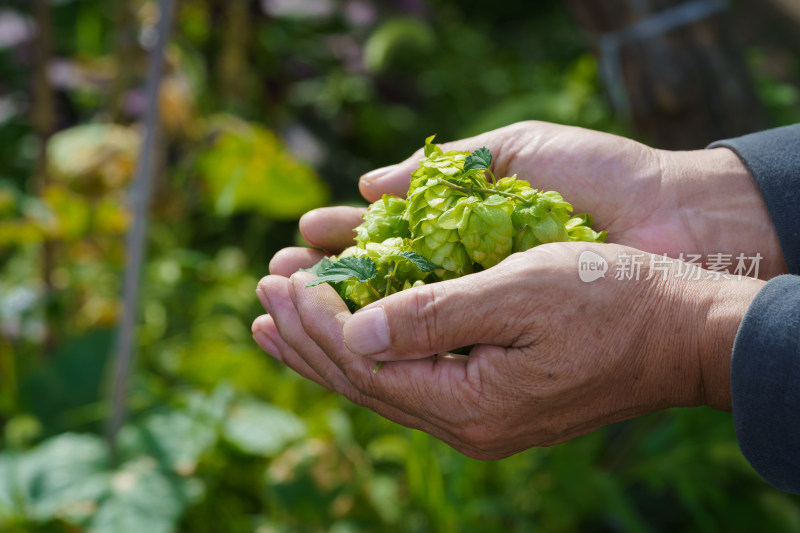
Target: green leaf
(249, 169)
(144, 498)
(420, 262)
(318, 268)
(479, 159)
(258, 428)
(54, 479)
(94, 152)
(348, 268)
(178, 438)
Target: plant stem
(471, 190)
(389, 280)
(374, 291)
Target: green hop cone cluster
(458, 218)
(484, 227)
(383, 220)
(429, 198)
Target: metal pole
(135, 244)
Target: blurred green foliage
(259, 101)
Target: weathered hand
(699, 202)
(554, 358)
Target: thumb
(431, 319)
(393, 179)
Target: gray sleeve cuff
(765, 383)
(773, 158)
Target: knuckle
(425, 306)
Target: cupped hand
(701, 202)
(555, 357)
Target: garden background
(269, 109)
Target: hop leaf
(480, 159)
(347, 269)
(318, 268)
(420, 262)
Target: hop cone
(540, 222)
(383, 220)
(428, 199)
(484, 226)
(516, 186)
(579, 228)
(442, 246)
(389, 261)
(437, 164)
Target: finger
(331, 228)
(291, 330)
(426, 388)
(279, 305)
(289, 260)
(437, 318)
(389, 180)
(264, 328)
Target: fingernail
(367, 332)
(266, 344)
(377, 173)
(262, 297)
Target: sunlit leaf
(249, 169)
(94, 154)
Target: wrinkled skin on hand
(554, 358)
(570, 356)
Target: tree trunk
(673, 68)
(43, 119)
